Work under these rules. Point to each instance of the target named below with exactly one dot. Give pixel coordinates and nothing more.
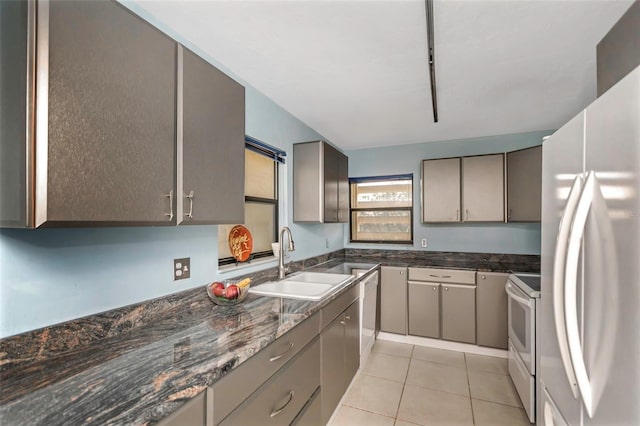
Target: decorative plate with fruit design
(240, 243)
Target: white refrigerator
(589, 332)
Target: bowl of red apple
(229, 292)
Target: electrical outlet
(423, 242)
(181, 268)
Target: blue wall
(486, 238)
(49, 276)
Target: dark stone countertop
(138, 364)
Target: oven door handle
(559, 268)
(513, 294)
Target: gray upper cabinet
(320, 183)
(112, 117)
(212, 144)
(524, 184)
(105, 101)
(483, 188)
(441, 190)
(125, 135)
(15, 153)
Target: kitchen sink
(303, 285)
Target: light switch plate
(181, 268)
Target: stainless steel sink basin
(303, 285)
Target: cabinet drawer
(280, 399)
(442, 275)
(241, 382)
(336, 307)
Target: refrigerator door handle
(559, 268)
(570, 291)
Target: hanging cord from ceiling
(428, 5)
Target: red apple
(232, 292)
(217, 288)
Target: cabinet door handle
(343, 323)
(170, 197)
(279, 410)
(435, 288)
(483, 277)
(446, 289)
(457, 214)
(401, 272)
(277, 357)
(190, 198)
(440, 276)
(347, 317)
(467, 214)
(509, 214)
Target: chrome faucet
(281, 268)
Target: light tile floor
(406, 385)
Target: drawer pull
(347, 317)
(440, 276)
(277, 357)
(279, 410)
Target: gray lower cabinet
(212, 144)
(524, 185)
(483, 188)
(424, 309)
(242, 382)
(340, 358)
(393, 299)
(320, 183)
(441, 190)
(282, 397)
(491, 316)
(311, 414)
(193, 413)
(459, 313)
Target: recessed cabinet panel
(524, 184)
(393, 299)
(491, 305)
(441, 190)
(459, 313)
(112, 118)
(213, 144)
(424, 309)
(483, 188)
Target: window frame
(277, 155)
(387, 178)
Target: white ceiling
(355, 70)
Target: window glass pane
(390, 193)
(381, 225)
(259, 220)
(259, 175)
